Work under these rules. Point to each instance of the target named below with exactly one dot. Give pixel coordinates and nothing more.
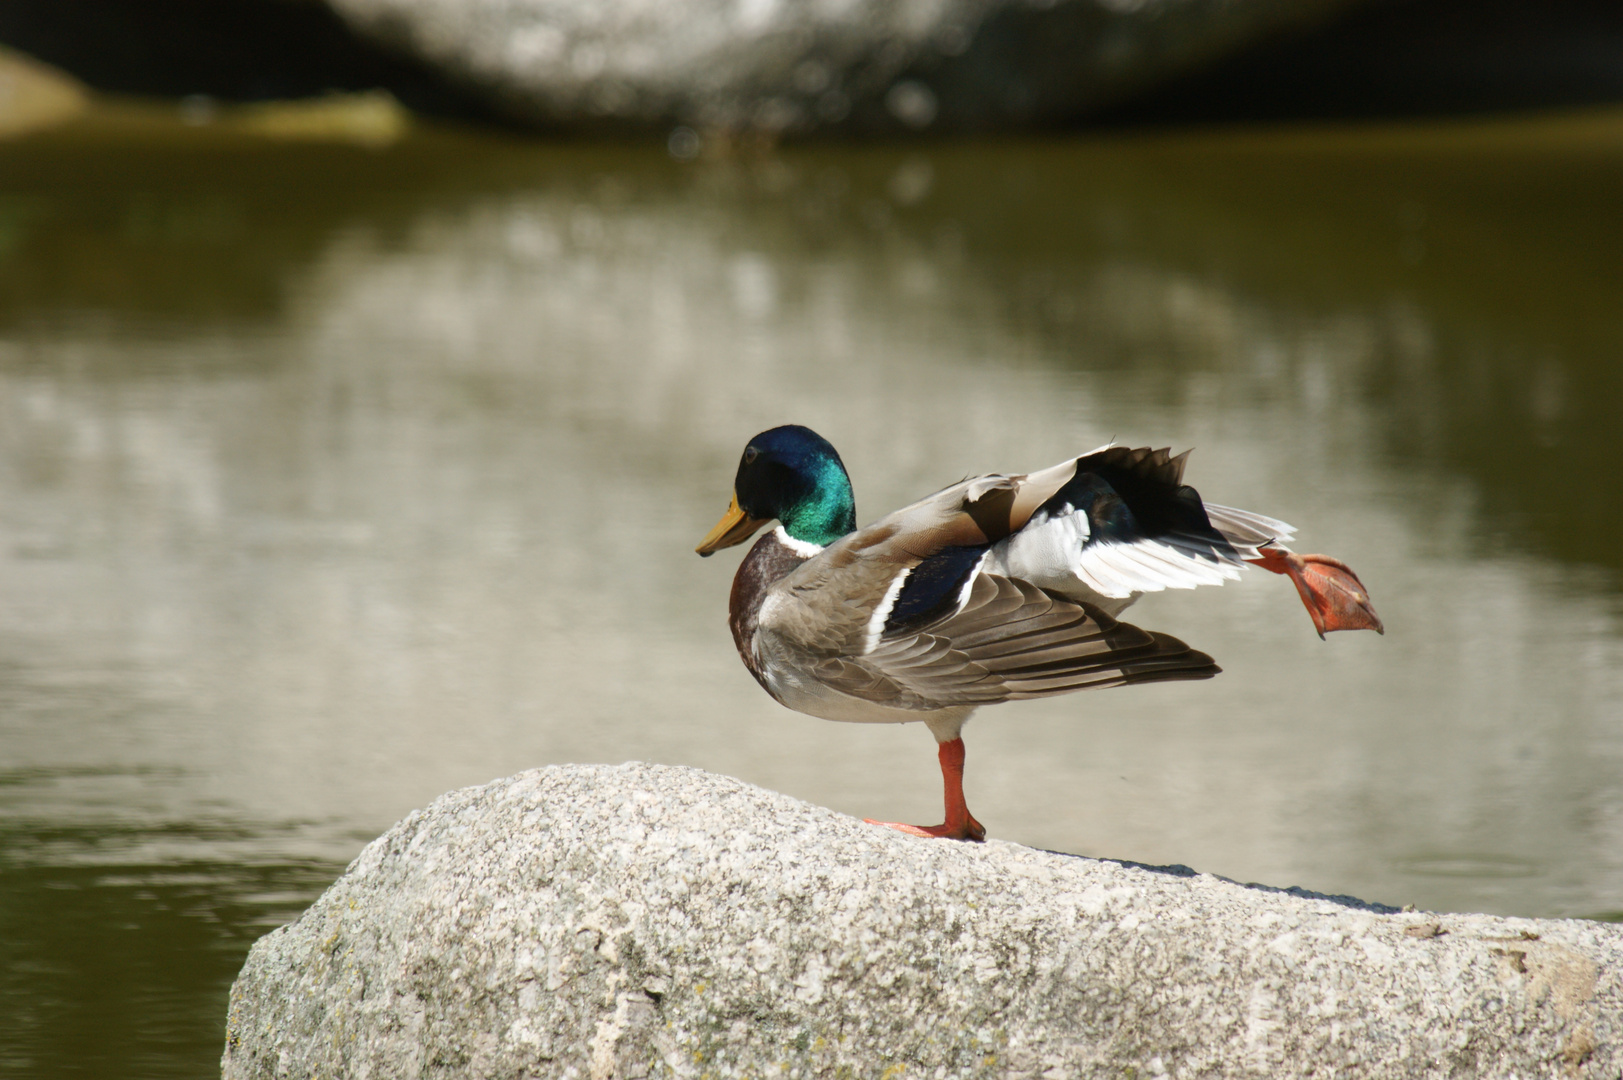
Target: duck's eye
(750, 454)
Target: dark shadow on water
(123, 921)
(124, 970)
(158, 225)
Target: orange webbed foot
(968, 829)
(960, 823)
(1330, 591)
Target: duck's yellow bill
(735, 527)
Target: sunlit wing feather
(1248, 531)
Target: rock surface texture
(767, 66)
(630, 921)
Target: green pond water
(333, 478)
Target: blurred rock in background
(769, 67)
(33, 96)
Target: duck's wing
(1124, 523)
(1009, 640)
(905, 613)
(1105, 526)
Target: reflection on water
(332, 479)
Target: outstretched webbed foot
(1330, 591)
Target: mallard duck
(998, 588)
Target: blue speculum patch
(931, 590)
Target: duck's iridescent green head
(792, 474)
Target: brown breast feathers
(767, 562)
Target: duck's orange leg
(1330, 591)
(960, 824)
